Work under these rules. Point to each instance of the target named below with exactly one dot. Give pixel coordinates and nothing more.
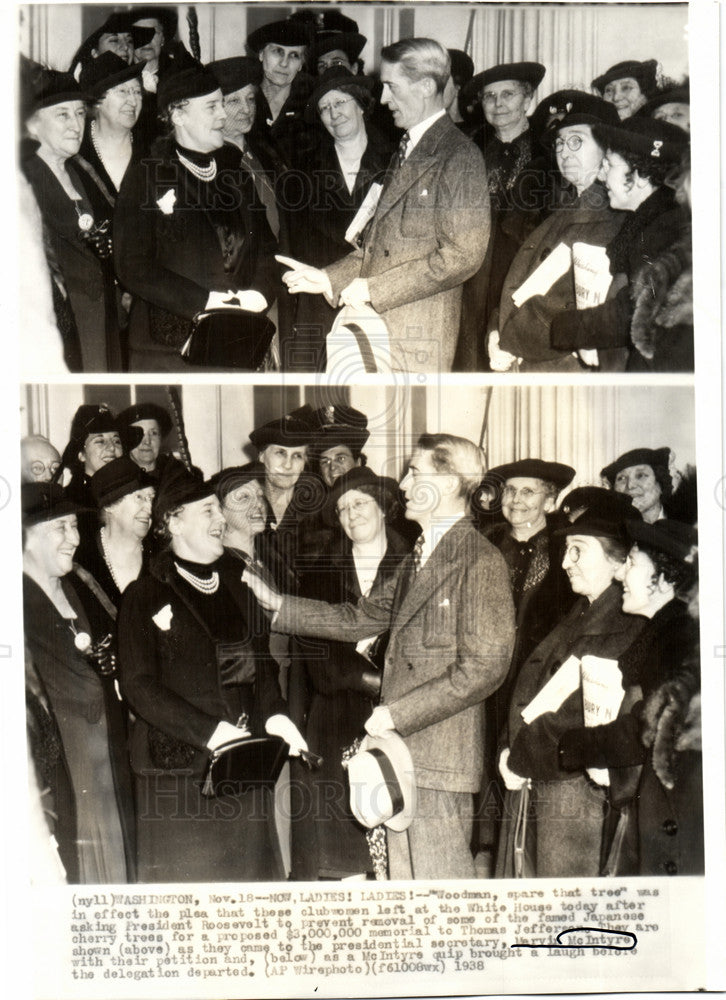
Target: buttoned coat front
(451, 636)
(430, 233)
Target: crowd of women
(164, 185)
(147, 650)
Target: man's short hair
(455, 456)
(419, 58)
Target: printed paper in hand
(550, 270)
(602, 695)
(557, 688)
(364, 214)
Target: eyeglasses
(337, 106)
(573, 553)
(356, 507)
(38, 468)
(573, 143)
(509, 493)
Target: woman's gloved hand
(280, 725)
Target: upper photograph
(354, 188)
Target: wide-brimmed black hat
(571, 107)
(236, 73)
(177, 488)
(292, 430)
(599, 524)
(117, 23)
(532, 468)
(340, 424)
(643, 72)
(116, 479)
(525, 72)
(599, 501)
(182, 85)
(637, 456)
(105, 72)
(350, 42)
(676, 95)
(289, 33)
(41, 502)
(51, 88)
(91, 418)
(672, 537)
(660, 141)
(166, 15)
(145, 411)
(385, 489)
(334, 78)
(323, 22)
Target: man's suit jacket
(429, 234)
(451, 637)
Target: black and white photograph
(362, 500)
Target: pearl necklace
(107, 558)
(205, 174)
(94, 141)
(210, 586)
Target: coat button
(670, 868)
(386, 253)
(410, 666)
(670, 827)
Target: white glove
(500, 360)
(248, 299)
(513, 781)
(225, 732)
(304, 278)
(589, 357)
(251, 300)
(280, 725)
(379, 722)
(356, 294)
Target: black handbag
(229, 338)
(246, 763)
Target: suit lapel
(421, 158)
(441, 565)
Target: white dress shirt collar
(416, 132)
(435, 532)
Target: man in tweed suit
(430, 229)
(451, 619)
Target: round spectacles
(336, 106)
(573, 143)
(38, 468)
(573, 553)
(509, 493)
(356, 507)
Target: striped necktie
(417, 554)
(402, 148)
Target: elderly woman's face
(53, 544)
(336, 57)
(505, 104)
(240, 107)
(341, 114)
(147, 451)
(59, 129)
(360, 516)
(526, 502)
(626, 95)
(132, 513)
(283, 465)
(244, 508)
(578, 155)
(199, 124)
(675, 113)
(121, 105)
(197, 530)
(99, 449)
(120, 43)
(640, 483)
(589, 569)
(281, 63)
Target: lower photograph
(304, 633)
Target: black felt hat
(106, 71)
(350, 42)
(643, 72)
(571, 107)
(384, 488)
(672, 537)
(116, 479)
(637, 456)
(182, 85)
(41, 502)
(323, 22)
(334, 78)
(650, 137)
(462, 66)
(600, 501)
(340, 424)
(234, 476)
(525, 72)
(145, 411)
(676, 95)
(293, 430)
(178, 488)
(289, 33)
(236, 73)
(51, 88)
(166, 15)
(533, 468)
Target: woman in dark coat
(640, 152)
(188, 227)
(519, 335)
(76, 208)
(348, 159)
(567, 808)
(656, 826)
(195, 667)
(333, 686)
(69, 623)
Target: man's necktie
(417, 554)
(402, 148)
